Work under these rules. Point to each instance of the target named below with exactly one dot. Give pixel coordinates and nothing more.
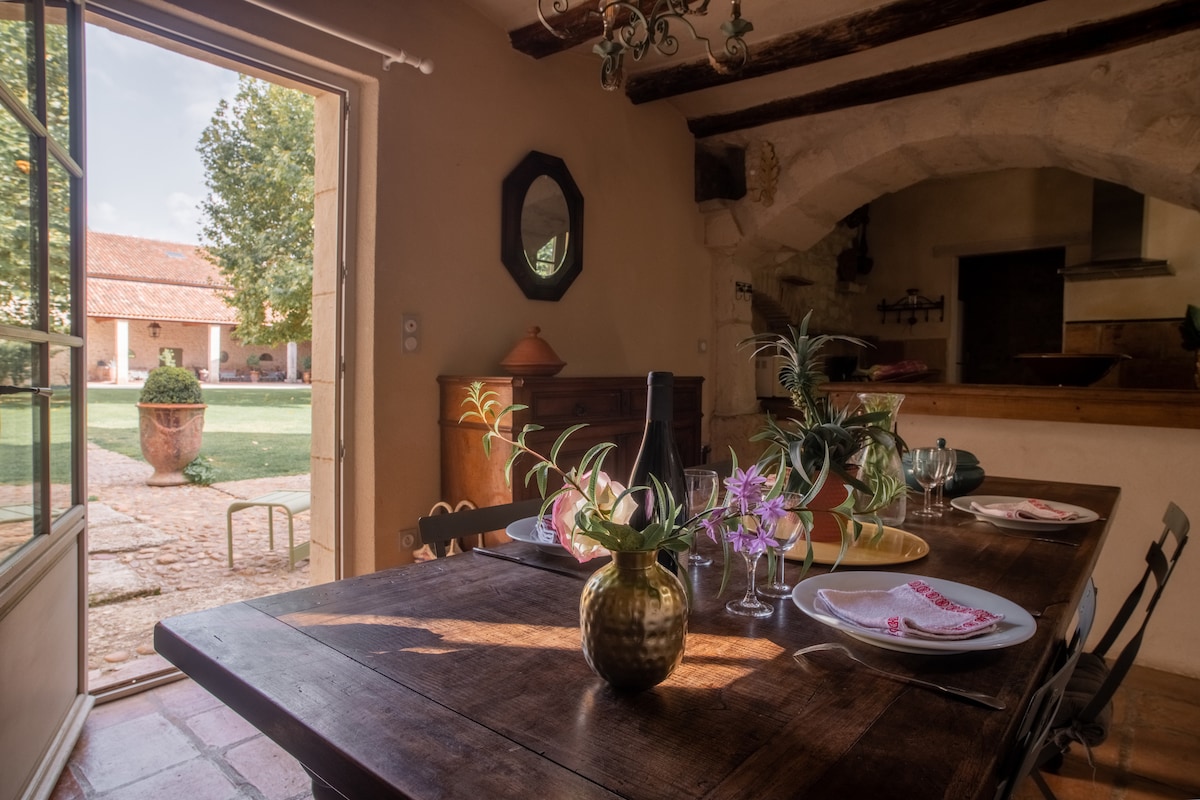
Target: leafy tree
(19, 175)
(258, 217)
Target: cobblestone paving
(169, 545)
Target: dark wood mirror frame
(512, 251)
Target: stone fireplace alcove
(1131, 118)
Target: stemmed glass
(787, 532)
(702, 485)
(779, 532)
(931, 465)
(950, 464)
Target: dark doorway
(1012, 303)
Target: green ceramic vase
(633, 620)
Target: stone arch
(1131, 118)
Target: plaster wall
(429, 237)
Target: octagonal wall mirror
(541, 226)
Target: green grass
(248, 433)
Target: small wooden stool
(291, 502)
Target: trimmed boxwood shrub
(171, 385)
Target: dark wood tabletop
(463, 678)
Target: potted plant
(826, 431)
(171, 423)
(306, 375)
(252, 362)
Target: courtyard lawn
(248, 433)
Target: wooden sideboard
(614, 409)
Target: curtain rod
(391, 55)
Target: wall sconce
(910, 305)
(743, 290)
(154, 329)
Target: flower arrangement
(749, 520)
(590, 511)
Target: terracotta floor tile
(272, 771)
(220, 727)
(119, 754)
(185, 698)
(198, 779)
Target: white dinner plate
(894, 546)
(1017, 626)
(523, 531)
(964, 504)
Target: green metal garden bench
(291, 503)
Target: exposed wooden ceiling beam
(575, 26)
(849, 34)
(1079, 42)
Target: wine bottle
(659, 456)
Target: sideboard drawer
(548, 407)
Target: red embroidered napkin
(913, 609)
(1025, 509)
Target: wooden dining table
(463, 678)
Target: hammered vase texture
(633, 620)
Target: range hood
(1117, 217)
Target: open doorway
(161, 551)
(1011, 304)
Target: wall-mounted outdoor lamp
(154, 329)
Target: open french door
(43, 680)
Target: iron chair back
(438, 530)
(1043, 706)
(1083, 718)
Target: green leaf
(561, 440)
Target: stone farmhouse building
(149, 298)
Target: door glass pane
(58, 121)
(19, 437)
(61, 453)
(18, 224)
(16, 51)
(59, 245)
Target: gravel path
(157, 552)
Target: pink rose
(568, 505)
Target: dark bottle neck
(660, 387)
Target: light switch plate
(410, 334)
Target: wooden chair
(1086, 711)
(438, 530)
(1040, 714)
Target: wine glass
(750, 605)
(702, 485)
(787, 532)
(928, 466)
(950, 460)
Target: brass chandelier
(627, 28)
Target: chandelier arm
(560, 7)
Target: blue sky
(146, 108)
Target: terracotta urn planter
(170, 438)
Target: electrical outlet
(410, 333)
(408, 539)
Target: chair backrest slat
(437, 530)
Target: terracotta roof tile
(132, 278)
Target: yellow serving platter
(893, 547)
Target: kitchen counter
(1163, 408)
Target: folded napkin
(1025, 509)
(913, 609)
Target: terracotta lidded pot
(532, 356)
